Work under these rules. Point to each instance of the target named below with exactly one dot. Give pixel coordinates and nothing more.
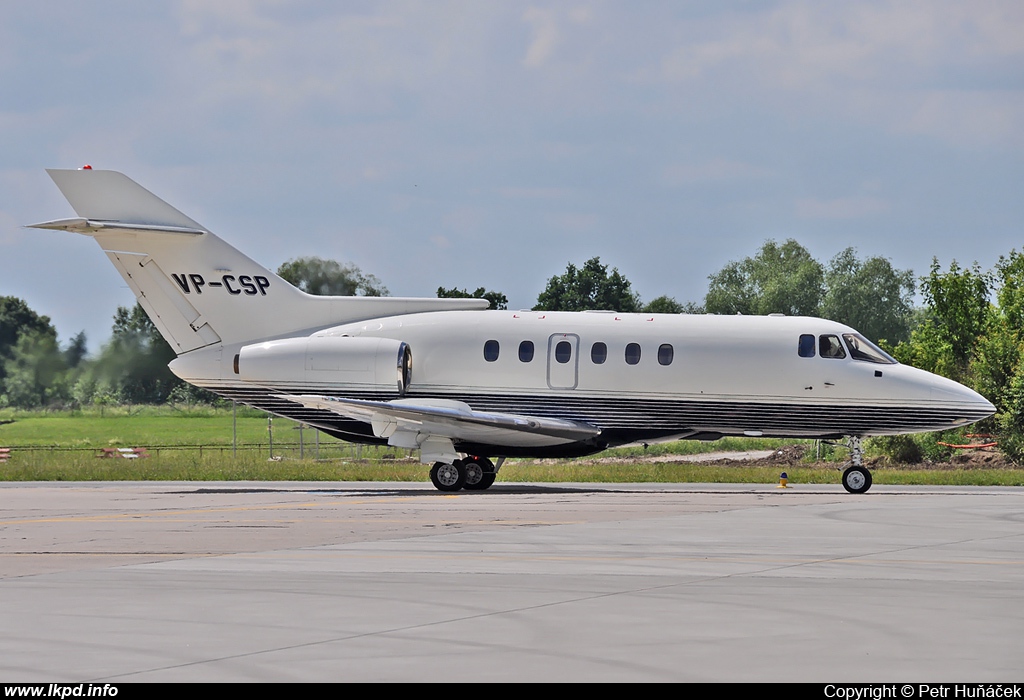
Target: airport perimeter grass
(63, 447)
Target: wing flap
(456, 420)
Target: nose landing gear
(856, 478)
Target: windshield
(863, 349)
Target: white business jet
(464, 385)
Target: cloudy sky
(490, 143)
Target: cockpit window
(831, 346)
(863, 349)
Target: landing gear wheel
(474, 472)
(486, 482)
(479, 473)
(448, 477)
(856, 479)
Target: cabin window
(599, 353)
(863, 349)
(563, 352)
(807, 346)
(830, 346)
(632, 353)
(491, 350)
(526, 351)
(665, 354)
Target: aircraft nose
(974, 405)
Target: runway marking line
(152, 514)
(330, 550)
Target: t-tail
(198, 290)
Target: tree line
(970, 326)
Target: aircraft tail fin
(199, 290)
(106, 195)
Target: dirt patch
(789, 454)
(977, 459)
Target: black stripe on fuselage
(625, 420)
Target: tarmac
(270, 581)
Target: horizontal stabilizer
(452, 419)
(91, 228)
(106, 195)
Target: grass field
(197, 445)
(144, 425)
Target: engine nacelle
(306, 363)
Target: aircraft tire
(474, 471)
(479, 473)
(448, 477)
(856, 479)
(485, 483)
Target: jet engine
(362, 363)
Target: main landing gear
(472, 473)
(856, 478)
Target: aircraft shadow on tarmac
(427, 490)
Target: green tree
(998, 365)
(869, 295)
(498, 300)
(779, 279)
(16, 319)
(134, 362)
(35, 371)
(76, 350)
(963, 337)
(322, 277)
(957, 314)
(668, 305)
(927, 349)
(587, 288)
(995, 361)
(958, 306)
(1011, 419)
(1009, 275)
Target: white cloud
(545, 36)
(881, 63)
(575, 222)
(464, 220)
(534, 192)
(975, 118)
(841, 208)
(718, 170)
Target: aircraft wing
(410, 422)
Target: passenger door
(563, 361)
